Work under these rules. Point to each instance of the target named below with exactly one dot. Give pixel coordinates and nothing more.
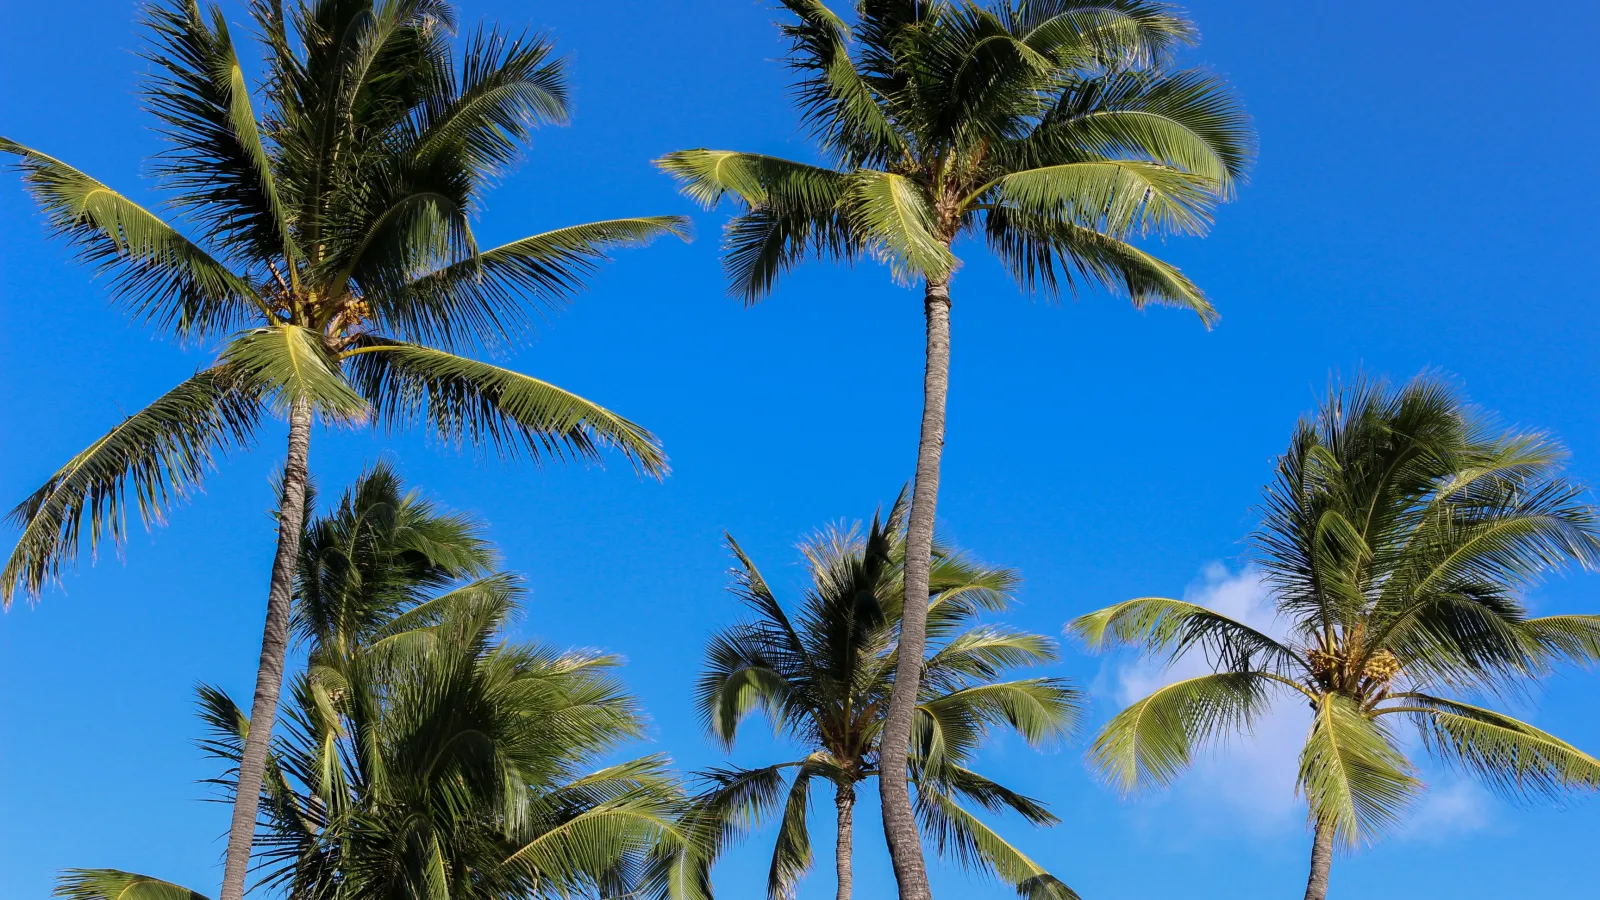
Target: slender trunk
(274, 647)
(1321, 862)
(844, 798)
(899, 822)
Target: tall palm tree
(334, 229)
(823, 675)
(1397, 536)
(1053, 130)
(424, 755)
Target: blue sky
(1419, 203)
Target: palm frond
(219, 167)
(158, 273)
(1114, 198)
(1352, 773)
(1154, 740)
(486, 294)
(463, 400)
(896, 225)
(112, 884)
(976, 846)
(1042, 253)
(291, 365)
(1507, 754)
(159, 454)
(1171, 628)
(844, 112)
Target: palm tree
(1397, 536)
(424, 755)
(1053, 130)
(823, 677)
(333, 228)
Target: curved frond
(486, 294)
(1153, 741)
(112, 884)
(1171, 628)
(1352, 773)
(1573, 638)
(976, 846)
(466, 400)
(1507, 754)
(895, 223)
(158, 273)
(1042, 252)
(219, 167)
(159, 454)
(1115, 198)
(840, 105)
(291, 365)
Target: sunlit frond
(960, 834)
(159, 455)
(158, 273)
(111, 884)
(1509, 755)
(1353, 774)
(1159, 626)
(463, 400)
(1153, 741)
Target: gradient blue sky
(1419, 203)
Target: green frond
(1352, 774)
(463, 400)
(1040, 710)
(895, 223)
(507, 87)
(1153, 741)
(111, 884)
(291, 365)
(847, 116)
(1188, 120)
(159, 454)
(158, 273)
(1118, 33)
(219, 168)
(1507, 754)
(983, 653)
(488, 294)
(976, 846)
(1042, 253)
(1574, 638)
(791, 855)
(1171, 628)
(1115, 198)
(706, 176)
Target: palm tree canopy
(1398, 536)
(424, 753)
(1055, 130)
(822, 674)
(320, 229)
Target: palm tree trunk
(899, 822)
(1321, 862)
(274, 647)
(844, 798)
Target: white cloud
(1448, 809)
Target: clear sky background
(1423, 200)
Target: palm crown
(823, 674)
(1056, 131)
(424, 754)
(336, 229)
(1397, 536)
